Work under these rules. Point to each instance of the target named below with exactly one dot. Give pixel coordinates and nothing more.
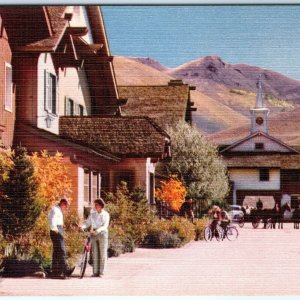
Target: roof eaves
(65, 141)
(157, 127)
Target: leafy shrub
(161, 239)
(130, 218)
(73, 238)
(183, 228)
(200, 225)
(116, 246)
(3, 245)
(169, 233)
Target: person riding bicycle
(225, 219)
(215, 216)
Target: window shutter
(45, 90)
(49, 92)
(55, 101)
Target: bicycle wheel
(241, 222)
(83, 263)
(232, 233)
(207, 234)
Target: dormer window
(259, 146)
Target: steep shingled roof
(58, 25)
(122, 136)
(165, 104)
(283, 161)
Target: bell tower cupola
(260, 113)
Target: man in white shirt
(56, 223)
(98, 220)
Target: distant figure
(248, 210)
(215, 216)
(259, 204)
(296, 217)
(244, 210)
(186, 209)
(225, 219)
(276, 216)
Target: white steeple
(259, 94)
(259, 114)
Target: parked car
(236, 212)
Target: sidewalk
(260, 262)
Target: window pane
(53, 98)
(94, 186)
(50, 92)
(81, 110)
(264, 174)
(125, 176)
(8, 87)
(86, 187)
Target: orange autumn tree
(6, 163)
(173, 192)
(53, 177)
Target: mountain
(130, 71)
(225, 92)
(213, 70)
(209, 117)
(151, 63)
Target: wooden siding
(248, 179)
(7, 118)
(269, 145)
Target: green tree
(20, 206)
(196, 162)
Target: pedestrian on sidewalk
(186, 209)
(98, 220)
(59, 267)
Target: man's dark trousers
(59, 263)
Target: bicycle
(85, 256)
(231, 232)
(217, 232)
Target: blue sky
(262, 35)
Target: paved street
(260, 262)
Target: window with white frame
(8, 87)
(51, 91)
(92, 182)
(95, 185)
(69, 107)
(87, 198)
(80, 110)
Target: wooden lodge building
(262, 166)
(59, 93)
